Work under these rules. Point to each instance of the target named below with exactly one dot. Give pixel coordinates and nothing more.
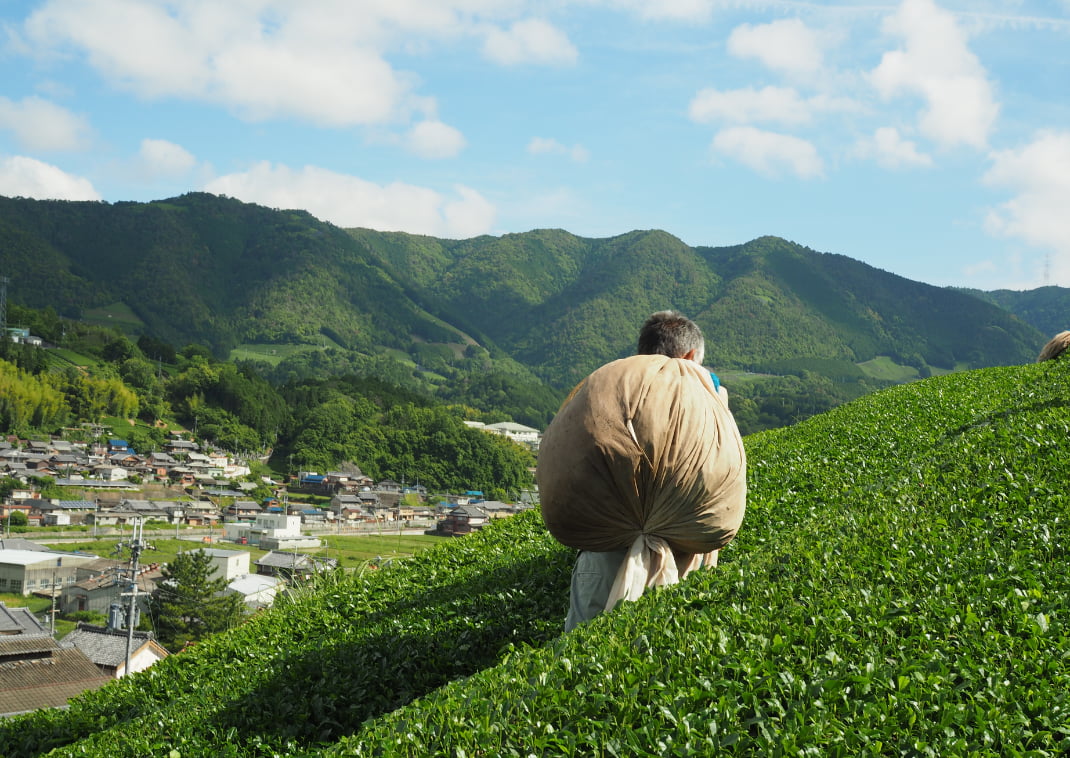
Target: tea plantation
(899, 588)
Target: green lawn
(117, 315)
(883, 367)
(272, 353)
(352, 551)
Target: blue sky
(929, 138)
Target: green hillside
(1046, 308)
(503, 324)
(898, 588)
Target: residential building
(293, 566)
(227, 564)
(463, 519)
(35, 672)
(257, 590)
(106, 647)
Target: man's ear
(689, 355)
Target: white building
(227, 564)
(271, 531)
(23, 572)
(257, 590)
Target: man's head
(673, 334)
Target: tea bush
(898, 588)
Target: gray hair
(670, 333)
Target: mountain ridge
(522, 310)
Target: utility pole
(136, 545)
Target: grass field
(116, 315)
(351, 551)
(883, 367)
(273, 354)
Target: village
(187, 492)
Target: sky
(928, 138)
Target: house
(100, 591)
(464, 519)
(257, 590)
(243, 509)
(124, 458)
(61, 512)
(110, 473)
(6, 509)
(524, 435)
(106, 647)
(181, 447)
(227, 564)
(20, 621)
(35, 672)
(347, 508)
(271, 531)
(388, 485)
(292, 566)
(496, 509)
(200, 512)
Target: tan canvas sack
(646, 456)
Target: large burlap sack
(1056, 346)
(646, 456)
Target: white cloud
(26, 177)
(349, 201)
(769, 104)
(769, 153)
(322, 62)
(434, 139)
(778, 104)
(936, 64)
(698, 11)
(889, 148)
(787, 46)
(1039, 176)
(40, 124)
(159, 157)
(530, 41)
(549, 146)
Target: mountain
(1046, 308)
(564, 304)
(509, 322)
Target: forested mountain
(1046, 308)
(505, 323)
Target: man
(665, 333)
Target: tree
(190, 604)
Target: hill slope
(898, 587)
(1046, 308)
(215, 270)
